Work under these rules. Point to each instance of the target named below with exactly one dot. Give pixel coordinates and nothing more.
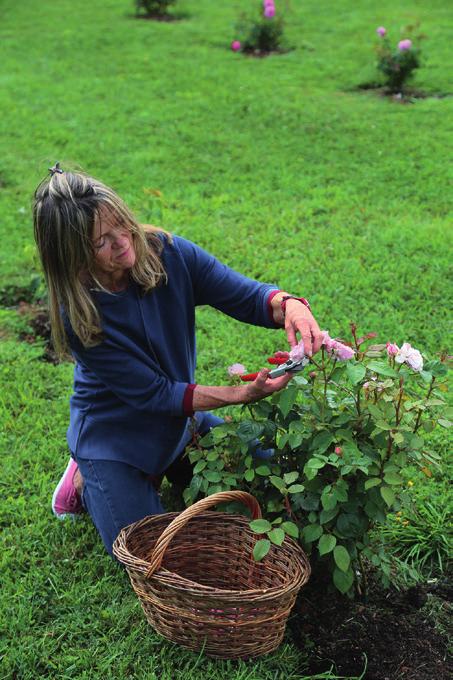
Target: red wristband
(293, 297)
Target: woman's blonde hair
(66, 205)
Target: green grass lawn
(278, 166)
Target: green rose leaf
(312, 532)
(248, 430)
(212, 476)
(300, 381)
(355, 372)
(326, 515)
(316, 463)
(375, 411)
(195, 485)
(249, 475)
(296, 488)
(443, 422)
(398, 438)
(287, 399)
(374, 481)
(290, 477)
(277, 482)
(326, 544)
(208, 439)
(321, 442)
(291, 529)
(277, 536)
(343, 580)
(263, 470)
(261, 549)
(382, 368)
(328, 499)
(341, 557)
(281, 440)
(393, 478)
(388, 495)
(199, 466)
(260, 526)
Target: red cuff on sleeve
(272, 294)
(187, 402)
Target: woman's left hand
(299, 319)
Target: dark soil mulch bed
(167, 18)
(407, 96)
(393, 632)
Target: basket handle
(195, 509)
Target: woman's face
(114, 252)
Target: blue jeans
(116, 494)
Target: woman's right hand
(263, 386)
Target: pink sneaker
(66, 501)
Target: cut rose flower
(298, 352)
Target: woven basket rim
(180, 583)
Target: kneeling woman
(122, 298)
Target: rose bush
(397, 64)
(261, 33)
(153, 8)
(343, 430)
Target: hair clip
(56, 168)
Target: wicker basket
(199, 585)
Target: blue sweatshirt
(133, 392)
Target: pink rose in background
(405, 45)
(269, 11)
(298, 352)
(236, 369)
(392, 349)
(381, 31)
(411, 356)
(235, 45)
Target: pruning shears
(290, 366)
(283, 365)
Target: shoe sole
(63, 515)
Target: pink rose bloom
(235, 45)
(327, 341)
(411, 356)
(404, 45)
(343, 352)
(298, 352)
(269, 11)
(268, 3)
(236, 369)
(415, 360)
(392, 349)
(381, 31)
